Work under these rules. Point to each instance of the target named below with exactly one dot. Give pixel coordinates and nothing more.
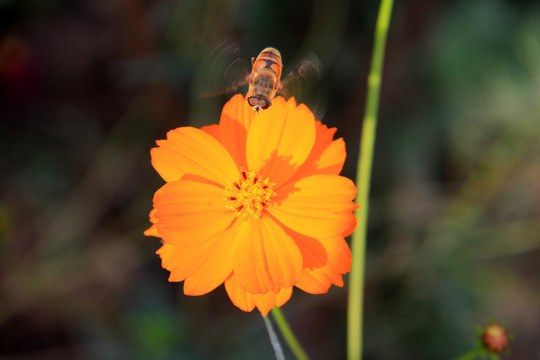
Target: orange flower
(255, 202)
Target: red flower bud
(495, 338)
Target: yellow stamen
(248, 195)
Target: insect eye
(253, 100)
(261, 103)
(265, 104)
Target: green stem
(471, 355)
(288, 335)
(274, 339)
(363, 176)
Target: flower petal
(213, 130)
(266, 302)
(332, 158)
(266, 257)
(191, 151)
(239, 297)
(326, 157)
(217, 266)
(313, 252)
(318, 206)
(281, 297)
(280, 139)
(318, 281)
(190, 213)
(152, 230)
(234, 123)
(247, 301)
(181, 261)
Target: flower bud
(495, 338)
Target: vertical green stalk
(363, 176)
(288, 335)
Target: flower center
(249, 194)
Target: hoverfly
(264, 81)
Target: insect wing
(224, 70)
(304, 83)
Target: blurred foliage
(87, 86)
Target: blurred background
(87, 86)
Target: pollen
(250, 194)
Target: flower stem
(363, 176)
(288, 335)
(273, 339)
(471, 355)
